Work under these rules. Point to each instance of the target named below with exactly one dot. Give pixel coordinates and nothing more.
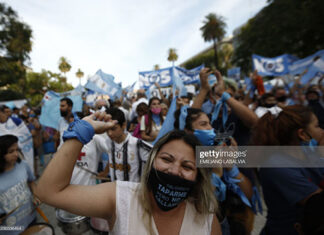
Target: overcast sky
(122, 37)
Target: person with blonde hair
(173, 197)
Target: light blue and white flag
(316, 68)
(178, 83)
(275, 66)
(168, 124)
(130, 88)
(149, 91)
(234, 73)
(301, 65)
(17, 103)
(104, 84)
(91, 97)
(189, 76)
(10, 104)
(50, 114)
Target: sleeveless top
(129, 214)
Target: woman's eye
(188, 167)
(166, 159)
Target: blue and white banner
(50, 114)
(25, 139)
(301, 65)
(16, 103)
(189, 76)
(161, 76)
(234, 73)
(164, 76)
(178, 83)
(275, 66)
(316, 69)
(104, 84)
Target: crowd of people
(112, 162)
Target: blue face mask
(206, 137)
(312, 144)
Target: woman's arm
(54, 186)
(204, 88)
(147, 137)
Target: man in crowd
(66, 106)
(127, 154)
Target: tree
(284, 26)
(36, 86)
(15, 45)
(79, 74)
(213, 30)
(206, 58)
(172, 55)
(64, 66)
(225, 53)
(156, 67)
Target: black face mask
(269, 105)
(312, 102)
(282, 98)
(168, 190)
(64, 113)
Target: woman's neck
(156, 211)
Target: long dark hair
(148, 128)
(6, 141)
(193, 115)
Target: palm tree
(156, 67)
(213, 30)
(172, 55)
(64, 65)
(79, 74)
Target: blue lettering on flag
(275, 66)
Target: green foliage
(64, 65)
(172, 55)
(206, 58)
(15, 45)
(213, 30)
(79, 74)
(284, 26)
(6, 95)
(38, 83)
(225, 53)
